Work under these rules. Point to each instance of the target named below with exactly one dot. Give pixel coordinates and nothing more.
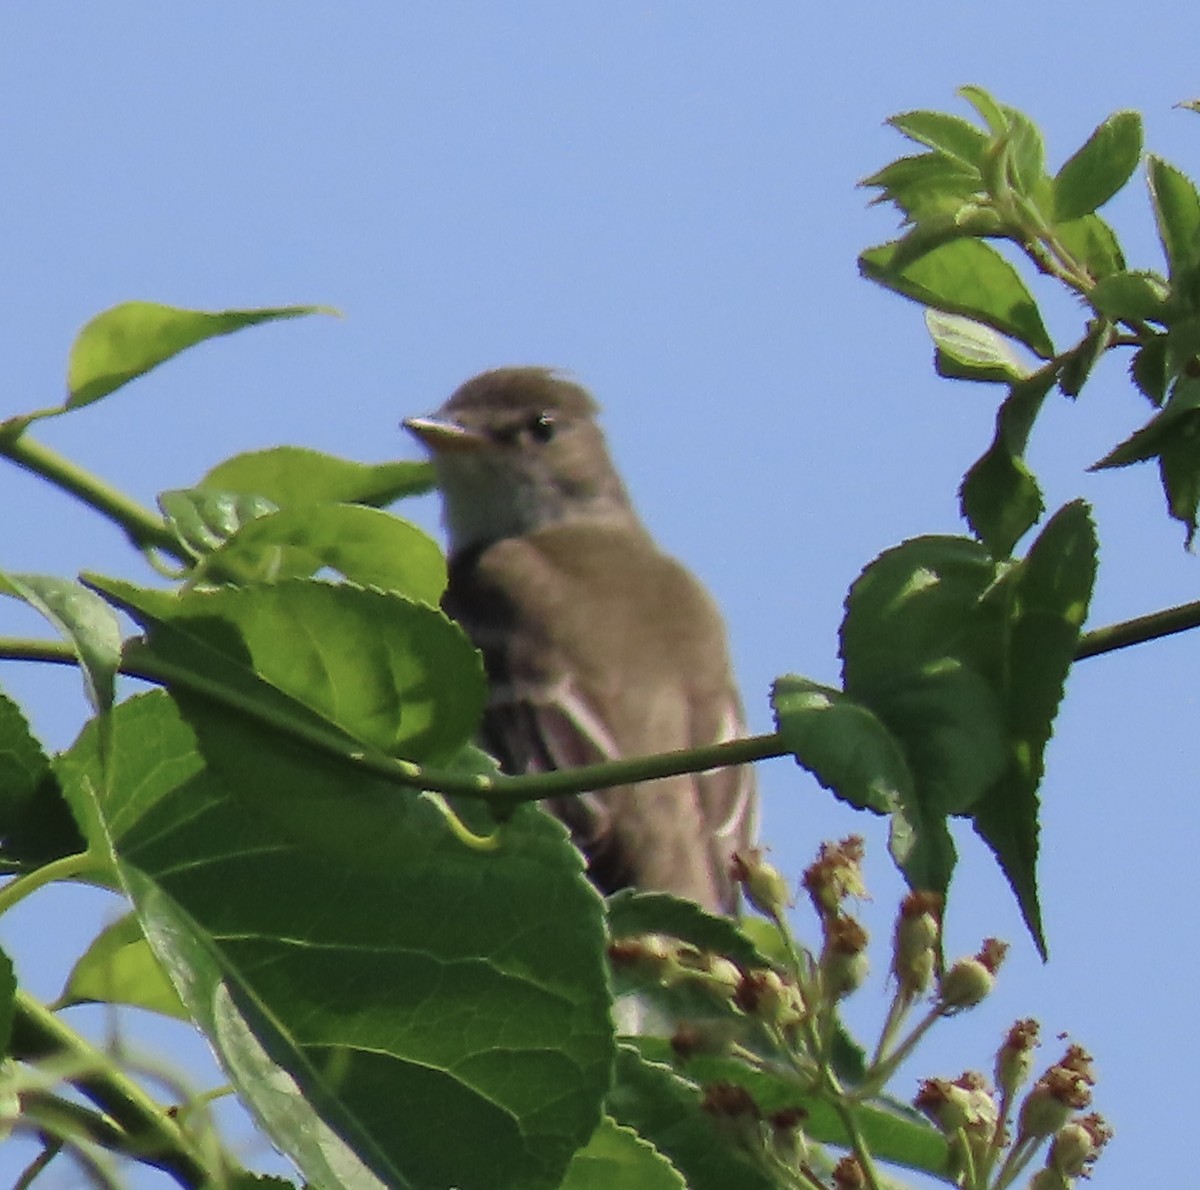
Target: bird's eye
(541, 428)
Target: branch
(1138, 630)
(155, 1138)
(143, 527)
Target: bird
(598, 646)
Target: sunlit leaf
(128, 340)
(120, 968)
(969, 278)
(1096, 171)
(291, 475)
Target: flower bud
(1065, 1087)
(1014, 1059)
(1077, 1144)
(969, 981)
(763, 884)
(835, 875)
(844, 963)
(848, 1174)
(914, 948)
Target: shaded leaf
(999, 497)
(842, 743)
(290, 475)
(287, 686)
(1078, 363)
(1176, 421)
(334, 993)
(128, 340)
(1148, 368)
(892, 1131)
(84, 619)
(1044, 603)
(965, 277)
(36, 825)
(631, 912)
(1098, 169)
(617, 1156)
(1093, 244)
(8, 992)
(1137, 296)
(665, 1109)
(120, 968)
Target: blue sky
(660, 198)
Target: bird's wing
(677, 834)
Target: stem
(59, 869)
(1138, 630)
(143, 527)
(155, 1137)
(506, 791)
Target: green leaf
(1096, 171)
(389, 672)
(392, 1008)
(949, 135)
(1148, 369)
(291, 475)
(8, 992)
(993, 113)
(1137, 296)
(36, 825)
(1044, 603)
(287, 686)
(1027, 158)
(204, 520)
(120, 968)
(1176, 422)
(1092, 243)
(891, 1131)
(1177, 214)
(365, 545)
(969, 350)
(631, 912)
(925, 186)
(1077, 364)
(617, 1156)
(84, 619)
(128, 340)
(965, 277)
(914, 604)
(843, 744)
(665, 1109)
(999, 497)
(916, 651)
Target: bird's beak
(441, 436)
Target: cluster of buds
(834, 877)
(966, 1112)
(973, 1119)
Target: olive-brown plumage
(597, 644)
